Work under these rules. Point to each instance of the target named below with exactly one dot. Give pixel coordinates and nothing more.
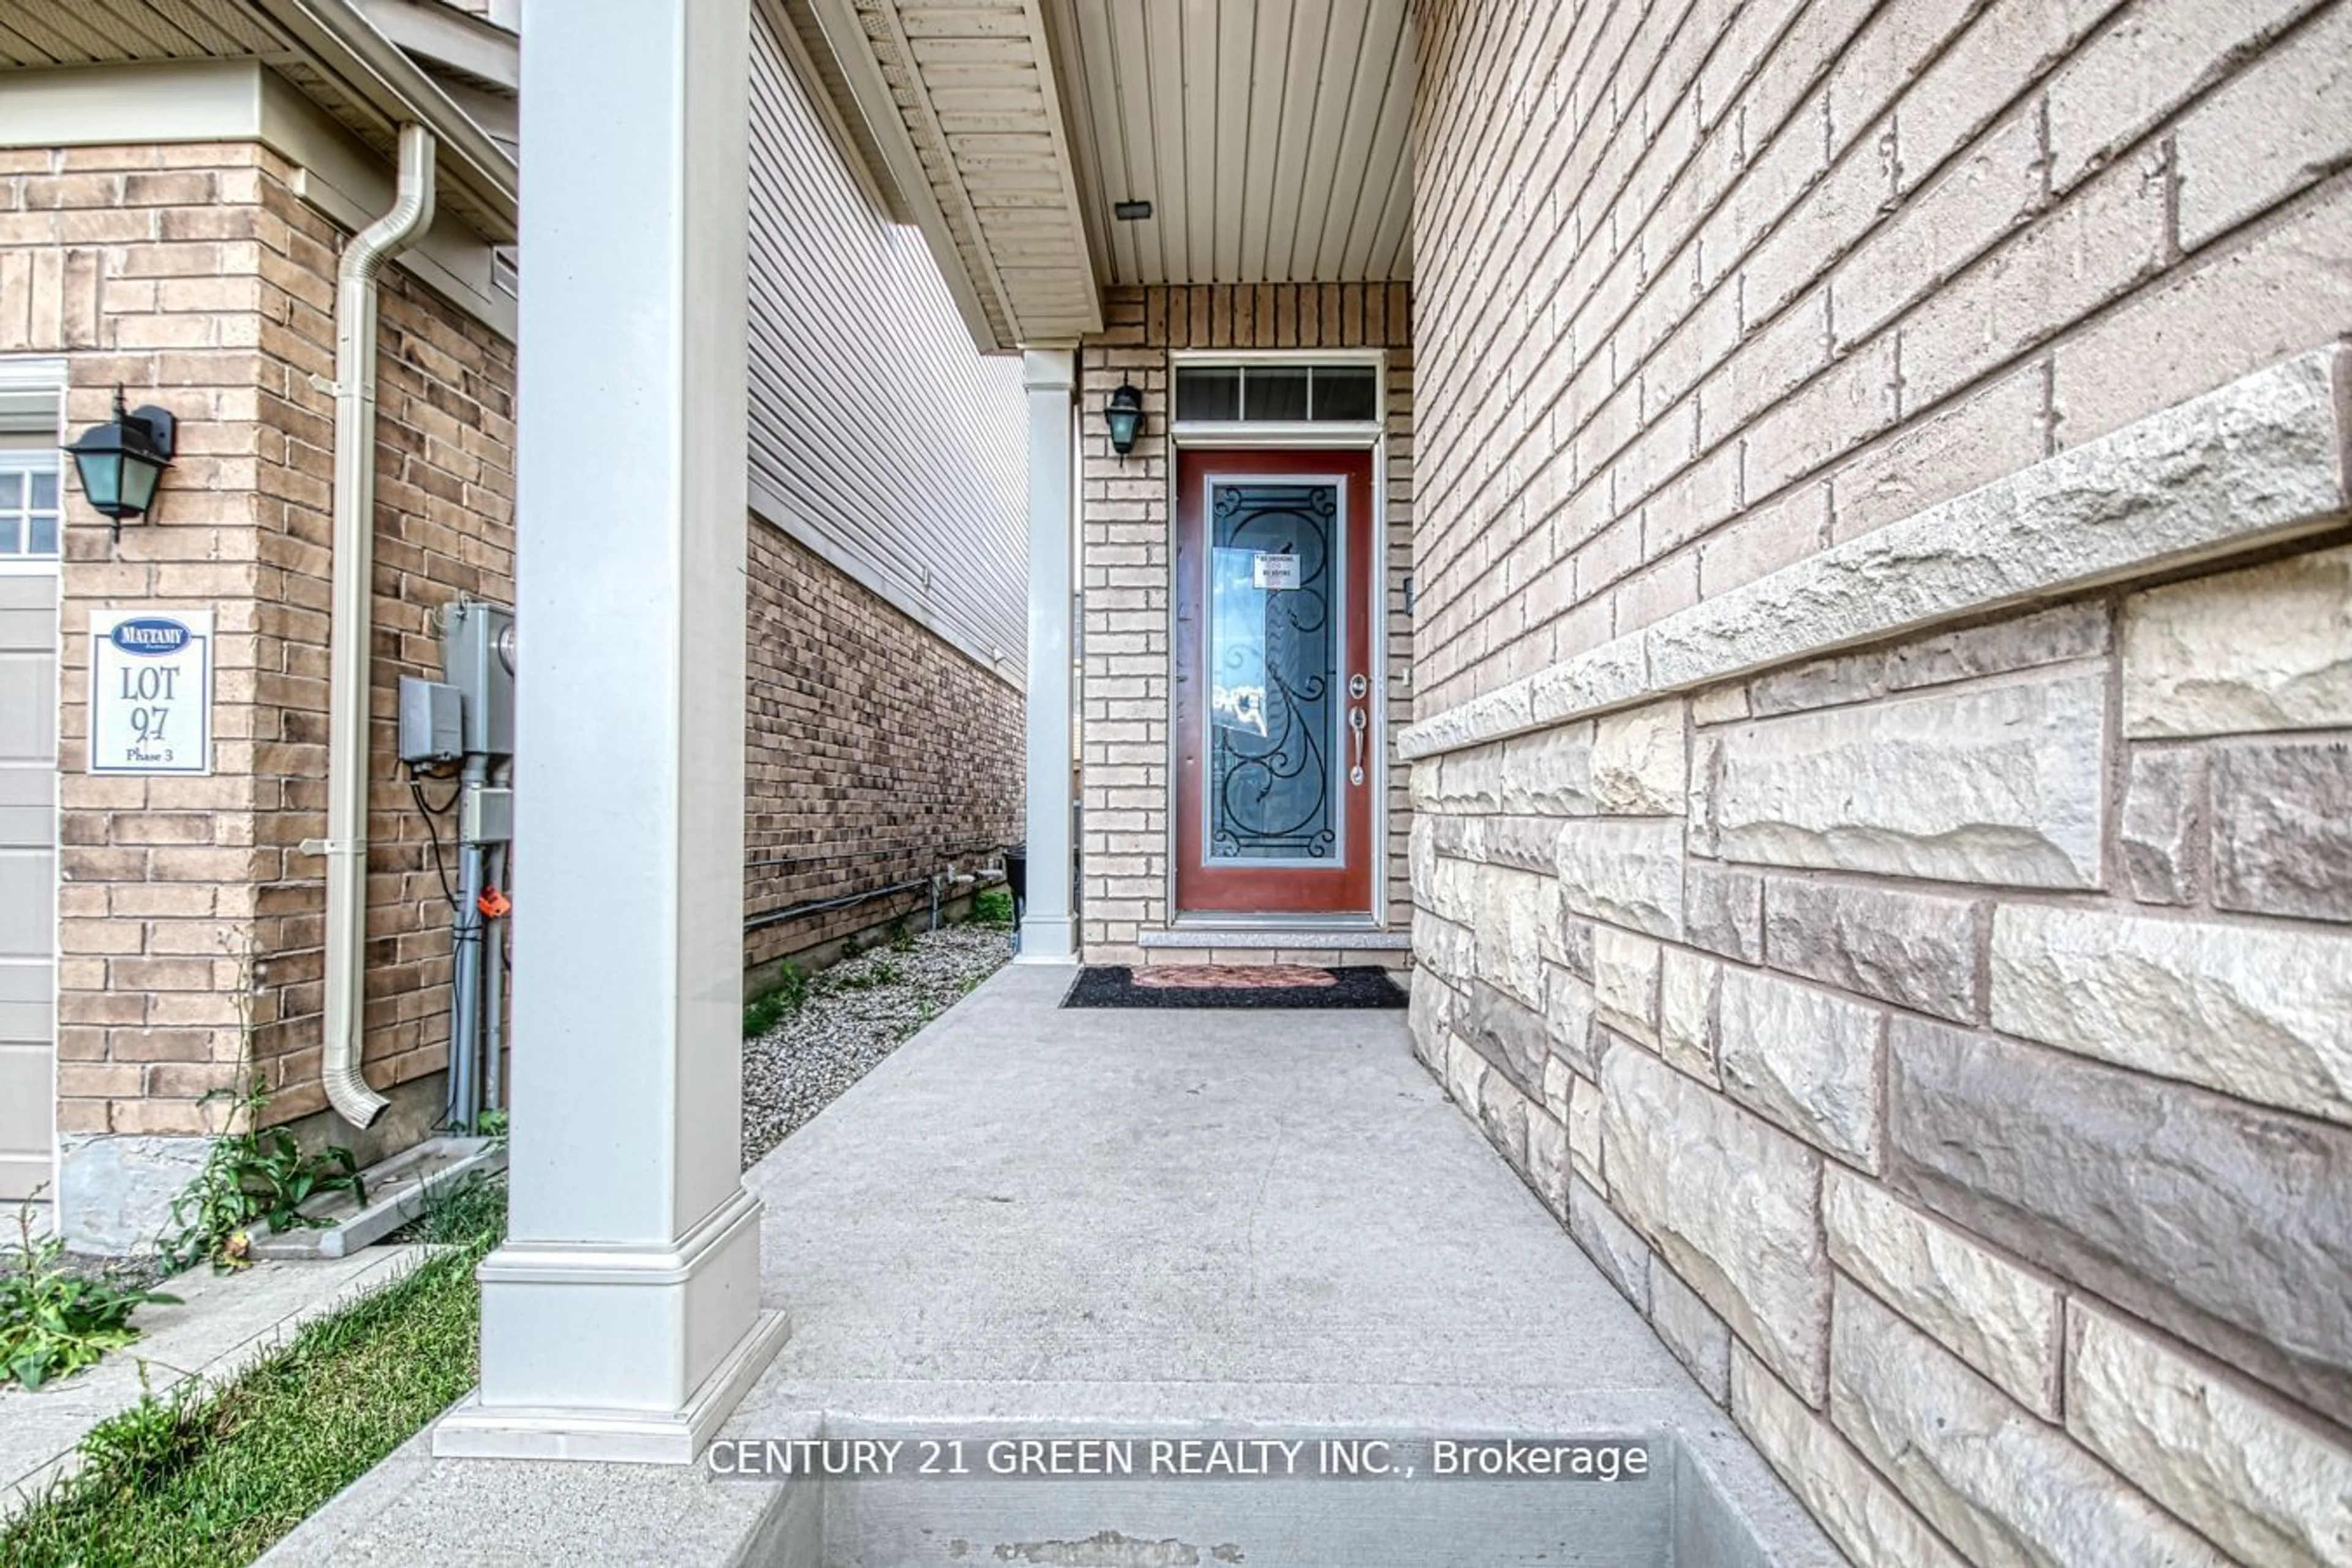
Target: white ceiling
(1270, 136)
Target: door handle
(1356, 722)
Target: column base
(1049, 942)
(471, 1431)
(617, 1351)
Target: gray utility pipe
(465, 937)
(493, 989)
(351, 634)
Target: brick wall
(192, 277)
(140, 266)
(1127, 556)
(1938, 1038)
(876, 753)
(1706, 286)
(443, 529)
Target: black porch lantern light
(1124, 414)
(120, 462)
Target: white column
(1048, 934)
(620, 1320)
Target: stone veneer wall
(1126, 559)
(1942, 1041)
(876, 753)
(1945, 1045)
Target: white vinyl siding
(879, 436)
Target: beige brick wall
(876, 753)
(192, 276)
(1126, 559)
(1706, 286)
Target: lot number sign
(151, 691)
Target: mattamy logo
(150, 636)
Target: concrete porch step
(1029, 1223)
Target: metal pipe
(465, 968)
(494, 990)
(820, 905)
(351, 634)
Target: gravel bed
(857, 1013)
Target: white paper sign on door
(1276, 573)
(151, 691)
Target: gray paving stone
(2227, 1225)
(1914, 949)
(2283, 828)
(1723, 910)
(2161, 830)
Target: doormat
(1234, 985)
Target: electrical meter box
(432, 725)
(477, 658)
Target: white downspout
(351, 636)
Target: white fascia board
(241, 101)
(385, 84)
(448, 37)
(847, 41)
(131, 105)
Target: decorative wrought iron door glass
(1277, 561)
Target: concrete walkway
(222, 1325)
(1117, 1221)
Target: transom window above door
(1287, 391)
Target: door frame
(1371, 436)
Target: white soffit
(961, 99)
(1272, 137)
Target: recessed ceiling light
(1130, 212)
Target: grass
(771, 1007)
(189, 1483)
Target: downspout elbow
(350, 633)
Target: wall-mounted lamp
(120, 462)
(1124, 414)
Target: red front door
(1276, 739)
